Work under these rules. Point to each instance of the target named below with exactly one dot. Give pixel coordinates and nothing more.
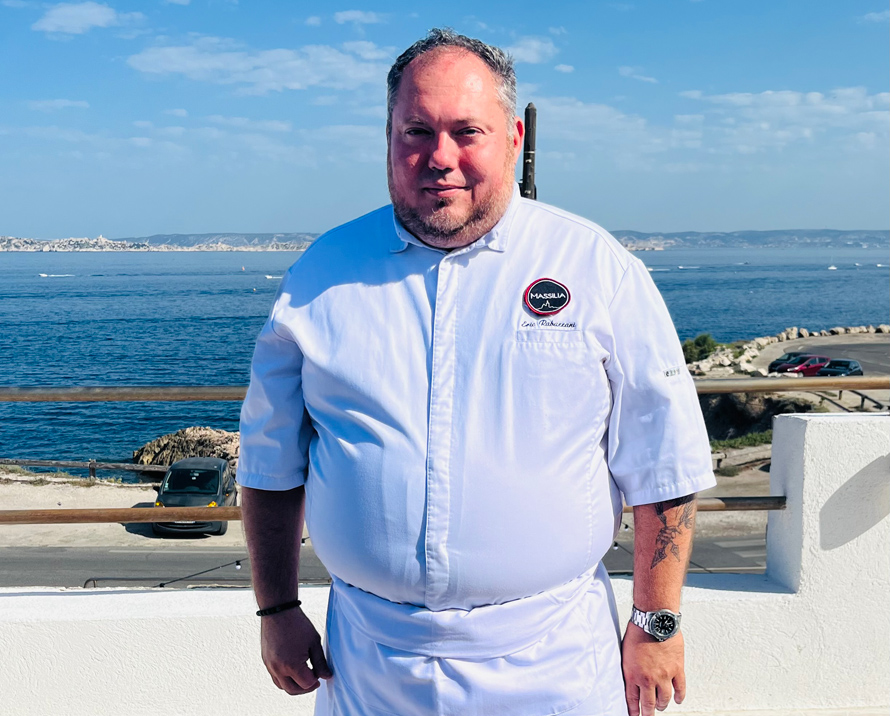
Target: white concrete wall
(812, 636)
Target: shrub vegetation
(749, 440)
(699, 347)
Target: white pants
(552, 653)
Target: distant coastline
(631, 240)
(171, 242)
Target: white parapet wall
(811, 636)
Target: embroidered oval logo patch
(546, 297)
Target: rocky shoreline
(735, 359)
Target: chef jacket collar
(496, 239)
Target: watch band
(644, 621)
(641, 619)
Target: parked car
(804, 365)
(786, 358)
(841, 367)
(196, 482)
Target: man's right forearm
(273, 525)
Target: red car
(804, 365)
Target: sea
(191, 318)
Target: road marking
(221, 551)
(736, 544)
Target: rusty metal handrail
(185, 393)
(124, 515)
(91, 465)
(779, 385)
(129, 515)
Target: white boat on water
(268, 276)
(832, 268)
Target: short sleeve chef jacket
(459, 450)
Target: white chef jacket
(465, 459)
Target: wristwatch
(662, 624)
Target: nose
(444, 154)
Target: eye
(416, 131)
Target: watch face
(663, 624)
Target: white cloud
(177, 112)
(78, 18)
(348, 143)
(571, 119)
(729, 132)
(51, 105)
(369, 51)
(143, 124)
(357, 17)
(532, 50)
(876, 16)
(557, 30)
(475, 22)
(747, 122)
(215, 60)
(634, 73)
(313, 21)
(564, 68)
(263, 125)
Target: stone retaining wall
(725, 362)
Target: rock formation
(189, 442)
(733, 415)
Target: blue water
(191, 319)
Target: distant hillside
(234, 240)
(166, 242)
(786, 239)
(633, 240)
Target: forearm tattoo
(666, 538)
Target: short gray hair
(498, 61)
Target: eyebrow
(462, 120)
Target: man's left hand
(653, 670)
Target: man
(459, 388)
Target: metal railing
(90, 465)
(131, 515)
(158, 393)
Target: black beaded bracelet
(280, 608)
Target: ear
(518, 135)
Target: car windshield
(203, 482)
(787, 357)
(838, 364)
(798, 360)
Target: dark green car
(196, 482)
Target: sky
(194, 116)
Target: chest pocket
(554, 336)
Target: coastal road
(149, 567)
(872, 350)
(874, 357)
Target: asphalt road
(153, 566)
(874, 357)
